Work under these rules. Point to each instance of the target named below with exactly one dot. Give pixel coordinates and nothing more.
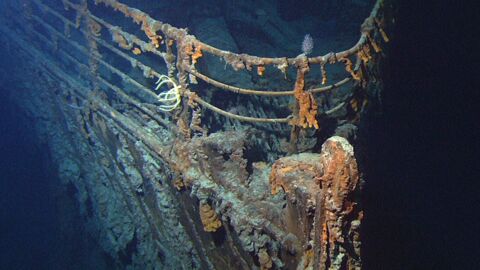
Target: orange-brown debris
(121, 40)
(209, 218)
(138, 17)
(288, 173)
(196, 54)
(349, 68)
(155, 39)
(196, 123)
(307, 105)
(136, 51)
(264, 259)
(94, 27)
(276, 183)
(364, 53)
(188, 49)
(184, 128)
(384, 35)
(179, 184)
(261, 70)
(307, 259)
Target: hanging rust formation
(188, 198)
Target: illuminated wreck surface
(202, 134)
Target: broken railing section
(189, 50)
(323, 192)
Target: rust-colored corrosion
(323, 203)
(264, 259)
(260, 70)
(240, 61)
(338, 214)
(210, 220)
(121, 40)
(137, 51)
(157, 31)
(321, 190)
(320, 223)
(196, 54)
(307, 105)
(299, 171)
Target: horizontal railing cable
(197, 99)
(175, 33)
(81, 48)
(119, 92)
(245, 91)
(203, 77)
(194, 72)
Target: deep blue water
(28, 226)
(40, 227)
(423, 189)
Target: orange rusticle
(275, 183)
(179, 184)
(138, 17)
(260, 70)
(308, 107)
(94, 27)
(350, 69)
(155, 39)
(197, 54)
(364, 53)
(308, 257)
(121, 40)
(136, 51)
(188, 49)
(264, 259)
(209, 218)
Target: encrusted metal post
(338, 213)
(323, 204)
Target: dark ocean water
(40, 227)
(423, 186)
(28, 212)
(423, 193)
